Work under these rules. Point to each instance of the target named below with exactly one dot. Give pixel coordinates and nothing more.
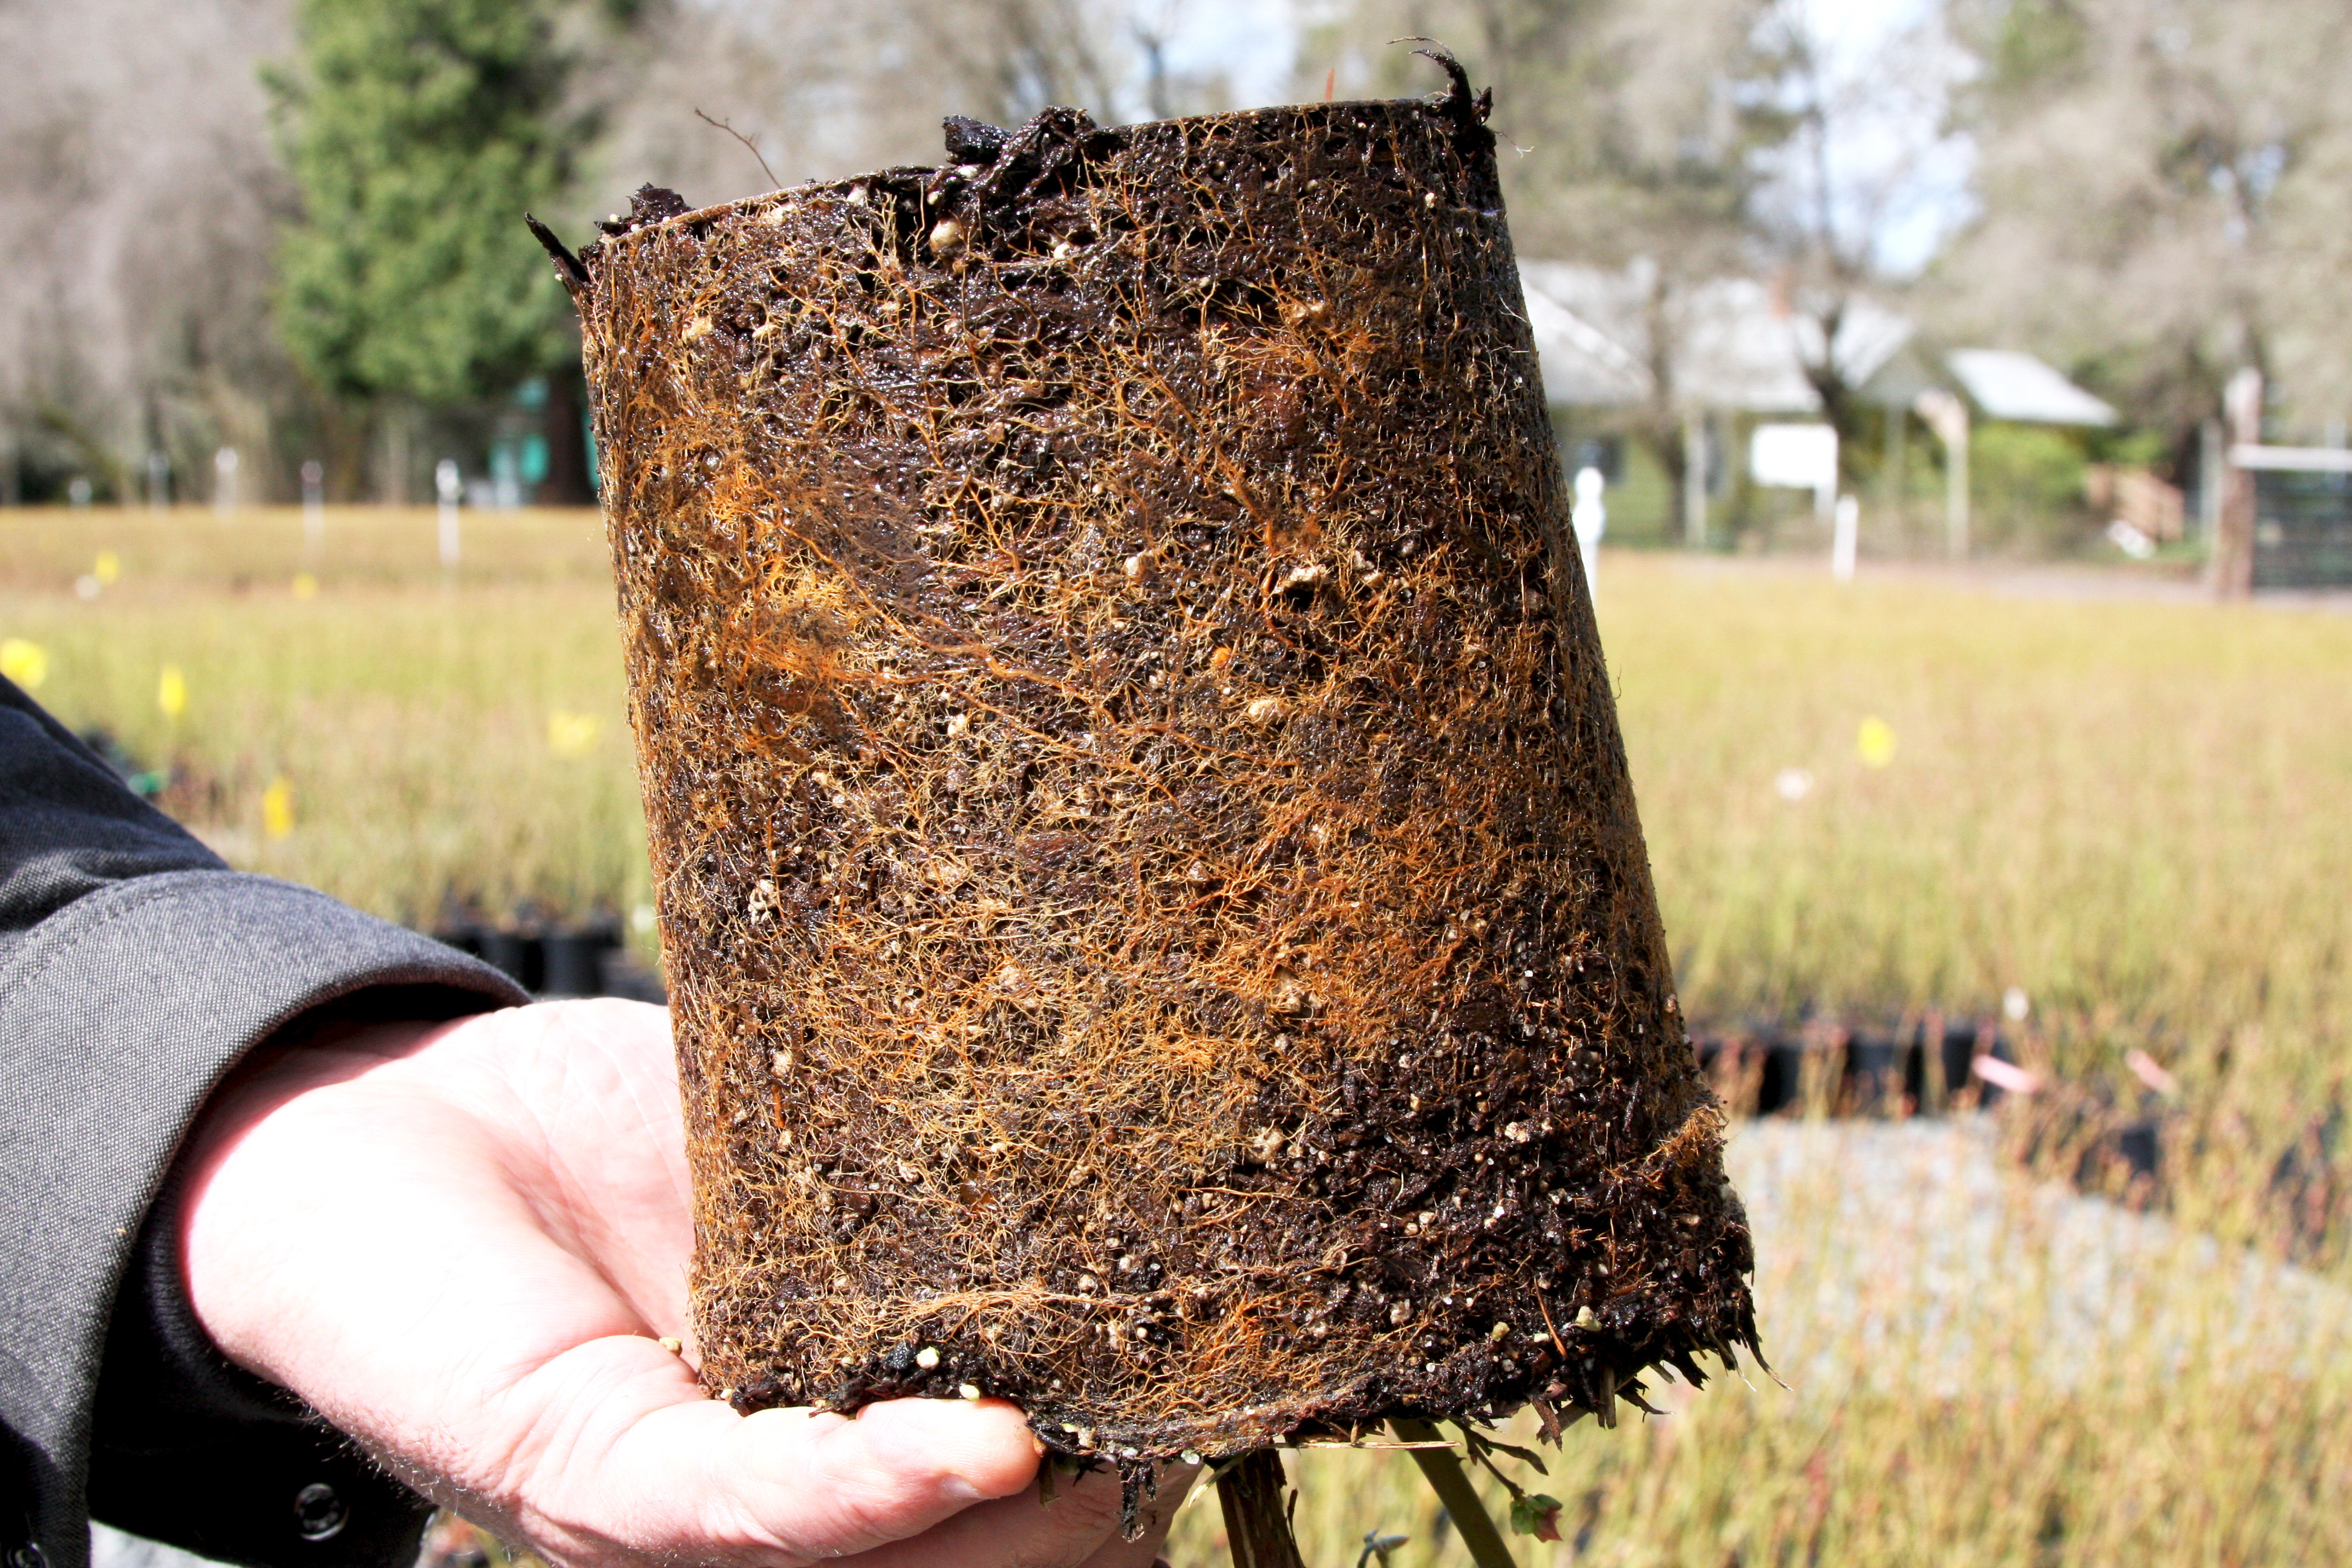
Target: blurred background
(1954, 395)
(256, 239)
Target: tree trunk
(567, 444)
(2231, 566)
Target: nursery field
(435, 733)
(2116, 824)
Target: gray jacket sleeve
(136, 969)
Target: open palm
(461, 1245)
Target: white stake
(448, 484)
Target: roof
(1739, 351)
(1582, 366)
(2008, 384)
(1740, 347)
(1738, 344)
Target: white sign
(1799, 457)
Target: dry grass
(438, 733)
(1984, 1372)
(2133, 812)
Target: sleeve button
(319, 1513)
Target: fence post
(314, 507)
(1892, 463)
(224, 481)
(2231, 568)
(2212, 460)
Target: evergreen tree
(418, 131)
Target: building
(1728, 355)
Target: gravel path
(1897, 1253)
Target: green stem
(1451, 1485)
(1257, 1524)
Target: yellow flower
(171, 691)
(108, 567)
(1875, 743)
(277, 808)
(305, 585)
(25, 663)
(571, 734)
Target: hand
(460, 1243)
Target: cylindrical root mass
(1156, 920)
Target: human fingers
(1029, 1528)
(1078, 1528)
(602, 1474)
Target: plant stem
(1256, 1527)
(1447, 1479)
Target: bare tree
(134, 272)
(1629, 132)
(138, 163)
(1861, 178)
(827, 90)
(2163, 196)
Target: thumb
(639, 1466)
(897, 1469)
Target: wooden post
(1948, 417)
(394, 455)
(1956, 481)
(1257, 1523)
(2231, 568)
(1891, 465)
(2212, 469)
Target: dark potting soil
(1157, 920)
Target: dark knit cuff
(118, 1015)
